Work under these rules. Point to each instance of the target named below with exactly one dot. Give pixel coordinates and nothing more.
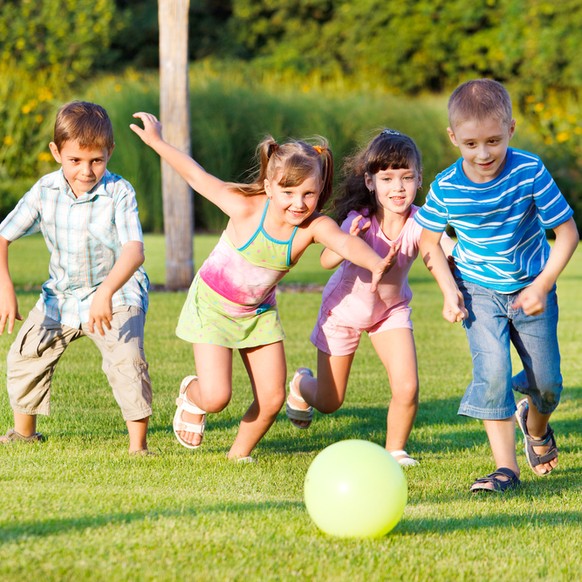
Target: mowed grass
(78, 508)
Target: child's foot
(501, 480)
(404, 459)
(142, 453)
(541, 453)
(15, 437)
(189, 420)
(297, 410)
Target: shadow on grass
(494, 521)
(50, 527)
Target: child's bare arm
(130, 259)
(435, 260)
(207, 185)
(533, 298)
(352, 248)
(8, 302)
(329, 259)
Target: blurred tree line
(50, 48)
(413, 46)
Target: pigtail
(326, 160)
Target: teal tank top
(266, 251)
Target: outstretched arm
(199, 179)
(101, 312)
(353, 248)
(8, 302)
(329, 259)
(435, 260)
(533, 298)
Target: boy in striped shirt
(501, 201)
(96, 287)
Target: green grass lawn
(78, 508)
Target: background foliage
(288, 67)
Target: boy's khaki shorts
(41, 342)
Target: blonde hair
(86, 123)
(479, 99)
(290, 163)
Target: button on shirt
(84, 237)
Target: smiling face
(294, 204)
(483, 145)
(83, 168)
(395, 189)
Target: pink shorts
(331, 336)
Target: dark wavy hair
(390, 149)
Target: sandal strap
(193, 427)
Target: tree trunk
(175, 117)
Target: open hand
(356, 229)
(152, 128)
(383, 266)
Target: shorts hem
(141, 415)
(43, 410)
(486, 413)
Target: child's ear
(110, 152)
(369, 181)
(55, 152)
(452, 137)
(267, 186)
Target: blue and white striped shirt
(501, 224)
(84, 237)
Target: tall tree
(175, 118)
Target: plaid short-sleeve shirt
(84, 237)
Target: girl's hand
(383, 266)
(356, 229)
(152, 128)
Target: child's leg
(267, 372)
(501, 435)
(24, 424)
(138, 431)
(327, 391)
(211, 389)
(397, 352)
(126, 368)
(31, 361)
(536, 340)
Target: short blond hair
(479, 99)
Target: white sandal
(294, 414)
(404, 459)
(184, 405)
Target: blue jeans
(492, 326)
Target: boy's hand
(384, 265)
(101, 313)
(532, 300)
(8, 309)
(152, 128)
(454, 309)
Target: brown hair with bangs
(290, 164)
(86, 123)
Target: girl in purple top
(380, 185)
(231, 304)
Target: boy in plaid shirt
(96, 287)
